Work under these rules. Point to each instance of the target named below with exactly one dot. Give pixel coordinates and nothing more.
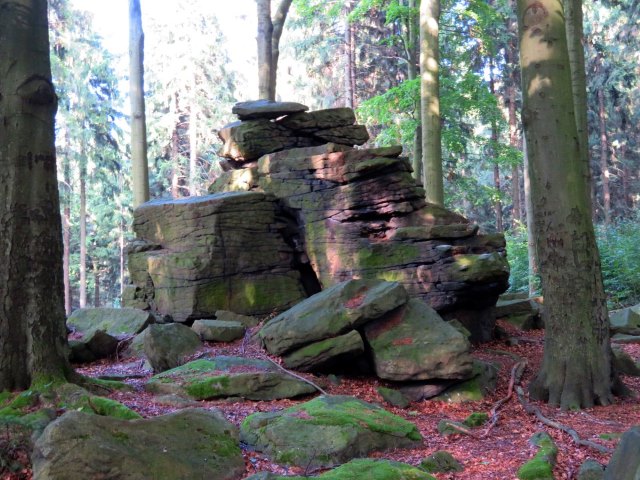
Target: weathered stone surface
(350, 135)
(219, 252)
(266, 109)
(334, 311)
(418, 391)
(414, 343)
(625, 363)
(625, 462)
(247, 141)
(361, 468)
(246, 320)
(325, 353)
(590, 470)
(319, 119)
(117, 322)
(222, 376)
(625, 321)
(218, 330)
(191, 443)
(327, 431)
(364, 216)
(482, 382)
(394, 397)
(441, 462)
(101, 344)
(166, 346)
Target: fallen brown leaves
(496, 456)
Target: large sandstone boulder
(218, 252)
(327, 431)
(117, 322)
(332, 312)
(167, 346)
(363, 216)
(625, 321)
(191, 443)
(222, 376)
(414, 343)
(625, 462)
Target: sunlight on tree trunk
(139, 167)
(33, 338)
(269, 33)
(604, 159)
(576, 371)
(430, 101)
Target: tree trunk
(33, 339)
(83, 234)
(66, 240)
(96, 284)
(576, 371)
(430, 101)
(604, 159)
(348, 60)
(573, 20)
(412, 73)
(121, 235)
(514, 141)
(193, 142)
(139, 167)
(264, 38)
(277, 27)
(531, 246)
(496, 168)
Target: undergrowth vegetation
(619, 254)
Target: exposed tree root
(289, 372)
(533, 410)
(516, 374)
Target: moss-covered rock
(325, 354)
(167, 346)
(541, 466)
(393, 397)
(362, 468)
(625, 461)
(117, 322)
(218, 330)
(441, 462)
(480, 384)
(590, 470)
(223, 376)
(327, 431)
(332, 312)
(191, 443)
(415, 343)
(476, 419)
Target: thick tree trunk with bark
(576, 371)
(430, 100)
(139, 167)
(33, 345)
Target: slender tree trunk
(531, 245)
(33, 340)
(496, 168)
(278, 25)
(264, 38)
(193, 142)
(66, 239)
(515, 170)
(576, 370)
(139, 167)
(96, 284)
(83, 234)
(348, 59)
(121, 235)
(430, 100)
(604, 159)
(413, 39)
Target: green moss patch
(326, 431)
(540, 467)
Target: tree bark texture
(412, 44)
(516, 214)
(496, 168)
(430, 101)
(348, 59)
(264, 38)
(139, 167)
(66, 239)
(277, 26)
(83, 234)
(576, 371)
(33, 345)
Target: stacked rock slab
(363, 216)
(199, 255)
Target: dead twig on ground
(289, 372)
(516, 375)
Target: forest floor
(494, 453)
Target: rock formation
(337, 213)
